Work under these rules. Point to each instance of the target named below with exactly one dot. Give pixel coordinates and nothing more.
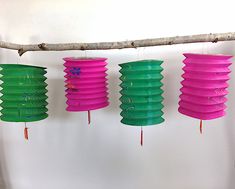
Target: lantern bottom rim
(24, 119)
(144, 123)
(86, 108)
(202, 116)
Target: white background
(63, 152)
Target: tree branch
(120, 45)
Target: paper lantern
(86, 84)
(23, 93)
(204, 86)
(141, 94)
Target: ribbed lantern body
(204, 86)
(141, 94)
(86, 83)
(23, 93)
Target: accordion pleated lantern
(204, 86)
(23, 93)
(141, 94)
(86, 84)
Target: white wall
(63, 152)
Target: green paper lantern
(23, 93)
(141, 100)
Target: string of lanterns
(203, 89)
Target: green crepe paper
(141, 100)
(23, 92)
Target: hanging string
(89, 117)
(205, 48)
(18, 60)
(138, 53)
(88, 112)
(201, 126)
(141, 131)
(141, 137)
(26, 135)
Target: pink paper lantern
(86, 84)
(204, 86)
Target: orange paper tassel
(89, 117)
(201, 126)
(26, 135)
(141, 137)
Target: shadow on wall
(4, 176)
(230, 121)
(113, 89)
(171, 89)
(55, 78)
(56, 98)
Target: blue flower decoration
(75, 71)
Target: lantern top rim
(20, 65)
(84, 59)
(159, 62)
(207, 56)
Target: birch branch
(121, 44)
